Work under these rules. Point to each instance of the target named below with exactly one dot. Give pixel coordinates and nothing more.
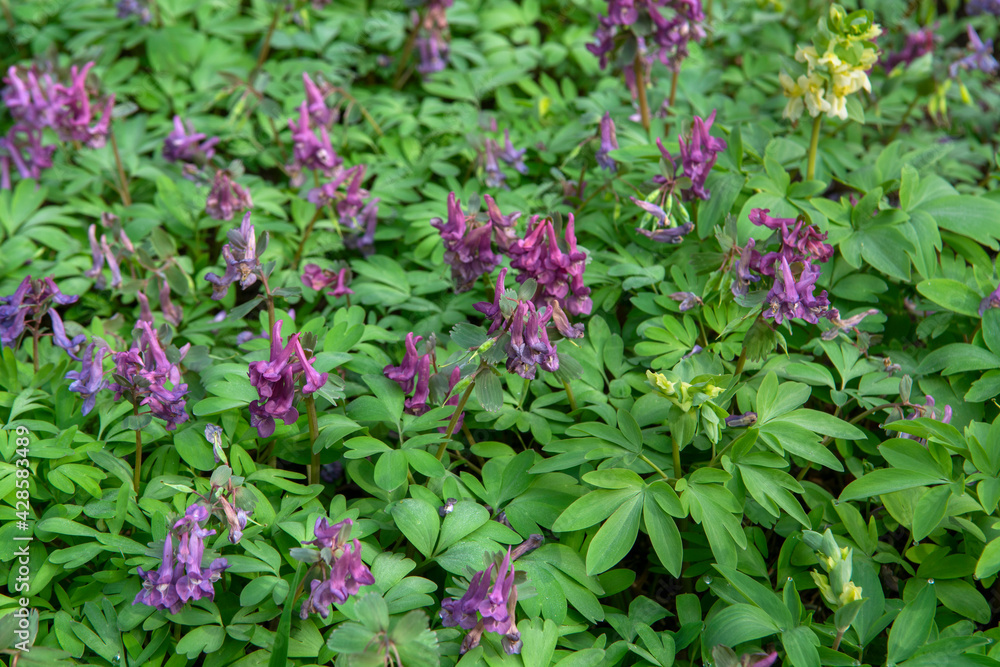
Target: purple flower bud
(310, 152)
(494, 177)
(242, 260)
(698, 155)
(688, 300)
(512, 156)
(319, 113)
(405, 373)
(90, 379)
(347, 573)
(980, 58)
(741, 421)
(226, 197)
(992, 300)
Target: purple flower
(23, 148)
(186, 145)
(741, 421)
(975, 7)
(512, 156)
(171, 312)
(492, 311)
(242, 259)
(668, 32)
(746, 269)
(142, 373)
(562, 323)
(25, 308)
(90, 379)
(918, 43)
(275, 382)
(366, 220)
(688, 300)
(181, 578)
(495, 605)
(494, 177)
(980, 58)
(992, 300)
(405, 373)
(850, 323)
(342, 571)
(226, 197)
(127, 8)
(559, 273)
(310, 152)
(319, 113)
(929, 410)
(468, 245)
(609, 142)
(432, 40)
(698, 155)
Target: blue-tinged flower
(143, 372)
(342, 572)
(310, 152)
(90, 379)
(609, 142)
(25, 308)
(226, 197)
(495, 606)
(980, 58)
(186, 145)
(698, 155)
(992, 300)
(976, 7)
(494, 177)
(688, 300)
(242, 260)
(512, 156)
(741, 421)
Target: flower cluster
(667, 33)
(143, 372)
(24, 310)
(486, 608)
(837, 65)
(698, 155)
(468, 240)
(432, 36)
(319, 279)
(976, 7)
(511, 156)
(242, 259)
(310, 152)
(525, 331)
(181, 578)
(558, 272)
(918, 43)
(664, 228)
(980, 56)
(792, 267)
(90, 379)
(319, 113)
(836, 586)
(226, 197)
(991, 300)
(275, 381)
(37, 102)
(128, 8)
(414, 375)
(342, 572)
(101, 254)
(187, 146)
(684, 395)
(929, 410)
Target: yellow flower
(815, 90)
(851, 593)
(712, 391)
(807, 54)
(662, 384)
(794, 94)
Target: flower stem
(123, 179)
(34, 350)
(570, 397)
(673, 88)
(266, 46)
(524, 393)
(138, 450)
(840, 636)
(677, 457)
(305, 237)
(404, 58)
(813, 146)
(454, 418)
(640, 84)
(270, 304)
(313, 435)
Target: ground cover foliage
(641, 332)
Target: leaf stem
(654, 467)
(677, 457)
(813, 147)
(454, 418)
(265, 48)
(570, 397)
(138, 450)
(838, 638)
(305, 237)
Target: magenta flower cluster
(557, 270)
(275, 381)
(918, 43)
(186, 146)
(143, 372)
(698, 154)
(468, 240)
(486, 608)
(672, 24)
(226, 197)
(343, 573)
(414, 375)
(319, 279)
(432, 36)
(38, 102)
(792, 267)
(180, 578)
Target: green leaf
(592, 508)
(489, 391)
(822, 423)
(419, 521)
(466, 517)
(279, 651)
(887, 480)
(735, 625)
(615, 538)
(391, 469)
(801, 647)
(930, 511)
(913, 625)
(952, 295)
(975, 217)
(664, 536)
(989, 561)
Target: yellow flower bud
(662, 384)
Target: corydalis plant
(337, 562)
(276, 379)
(557, 269)
(242, 257)
(226, 197)
(184, 145)
(432, 36)
(181, 578)
(468, 240)
(23, 310)
(415, 375)
(142, 374)
(319, 279)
